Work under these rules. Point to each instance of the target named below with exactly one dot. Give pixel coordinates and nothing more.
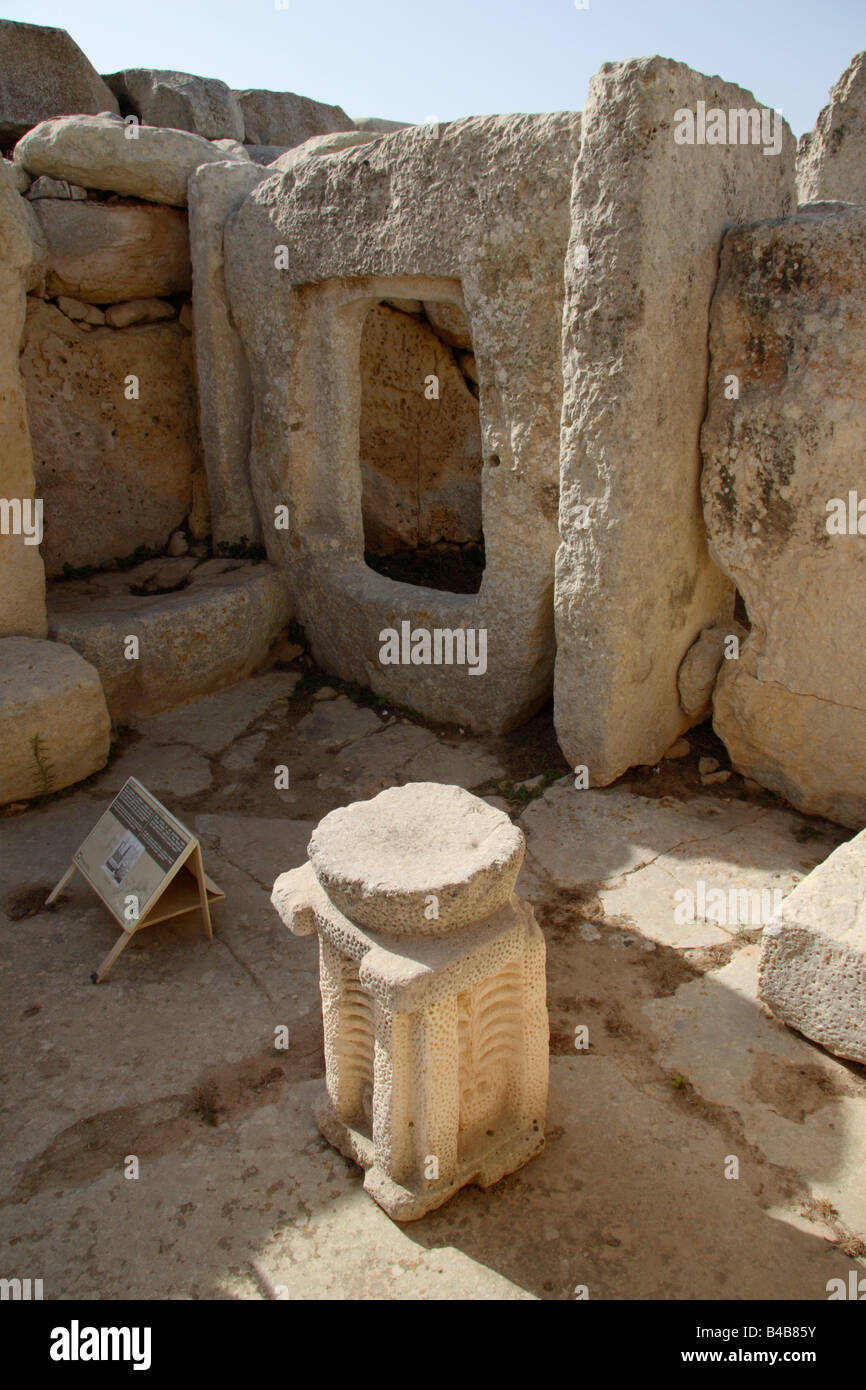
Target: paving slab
(212, 723)
(335, 723)
(800, 1106)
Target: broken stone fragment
(696, 677)
(138, 311)
(813, 956)
(54, 724)
(233, 148)
(79, 312)
(43, 187)
(20, 176)
(449, 323)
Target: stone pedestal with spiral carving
(433, 992)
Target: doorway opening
(420, 446)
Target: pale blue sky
(412, 60)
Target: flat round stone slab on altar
(392, 863)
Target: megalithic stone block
(813, 956)
(433, 992)
(631, 599)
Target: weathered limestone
(319, 145)
(634, 582)
(20, 176)
(419, 485)
(449, 324)
(180, 100)
(43, 73)
(104, 253)
(380, 125)
(206, 637)
(43, 187)
(831, 159)
(22, 577)
(283, 118)
(696, 677)
(813, 957)
(433, 992)
(265, 154)
(421, 215)
(233, 149)
(54, 725)
(103, 152)
(789, 320)
(225, 417)
(132, 311)
(115, 472)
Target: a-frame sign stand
(144, 865)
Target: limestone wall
(223, 305)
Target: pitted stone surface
(788, 318)
(831, 159)
(44, 73)
(813, 958)
(422, 214)
(639, 282)
(379, 861)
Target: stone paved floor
(173, 1059)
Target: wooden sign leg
(55, 892)
(202, 890)
(120, 945)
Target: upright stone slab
(225, 415)
(474, 214)
(43, 73)
(784, 490)
(813, 956)
(634, 582)
(433, 992)
(115, 473)
(22, 577)
(831, 159)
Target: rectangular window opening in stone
(420, 446)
